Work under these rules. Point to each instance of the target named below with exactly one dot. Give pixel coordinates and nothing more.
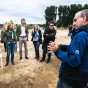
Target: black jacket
(49, 35)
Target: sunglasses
(51, 25)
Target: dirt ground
(31, 73)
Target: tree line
(63, 15)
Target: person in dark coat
(49, 35)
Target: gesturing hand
(53, 46)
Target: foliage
(65, 13)
(50, 14)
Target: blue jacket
(40, 36)
(75, 59)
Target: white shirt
(23, 31)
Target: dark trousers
(5, 46)
(45, 51)
(36, 47)
(10, 50)
(62, 84)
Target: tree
(85, 6)
(65, 13)
(50, 14)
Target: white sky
(31, 10)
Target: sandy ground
(31, 73)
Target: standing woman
(9, 34)
(37, 40)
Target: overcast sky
(31, 10)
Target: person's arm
(75, 50)
(27, 32)
(45, 33)
(33, 33)
(40, 36)
(63, 47)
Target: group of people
(10, 36)
(74, 57)
(13, 34)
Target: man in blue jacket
(74, 67)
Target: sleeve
(27, 31)
(33, 34)
(63, 47)
(72, 56)
(40, 33)
(40, 37)
(44, 35)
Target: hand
(27, 39)
(53, 46)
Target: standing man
(74, 67)
(22, 32)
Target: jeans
(45, 51)
(36, 47)
(10, 50)
(62, 84)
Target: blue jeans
(62, 84)
(36, 47)
(10, 50)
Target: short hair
(22, 19)
(51, 22)
(84, 13)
